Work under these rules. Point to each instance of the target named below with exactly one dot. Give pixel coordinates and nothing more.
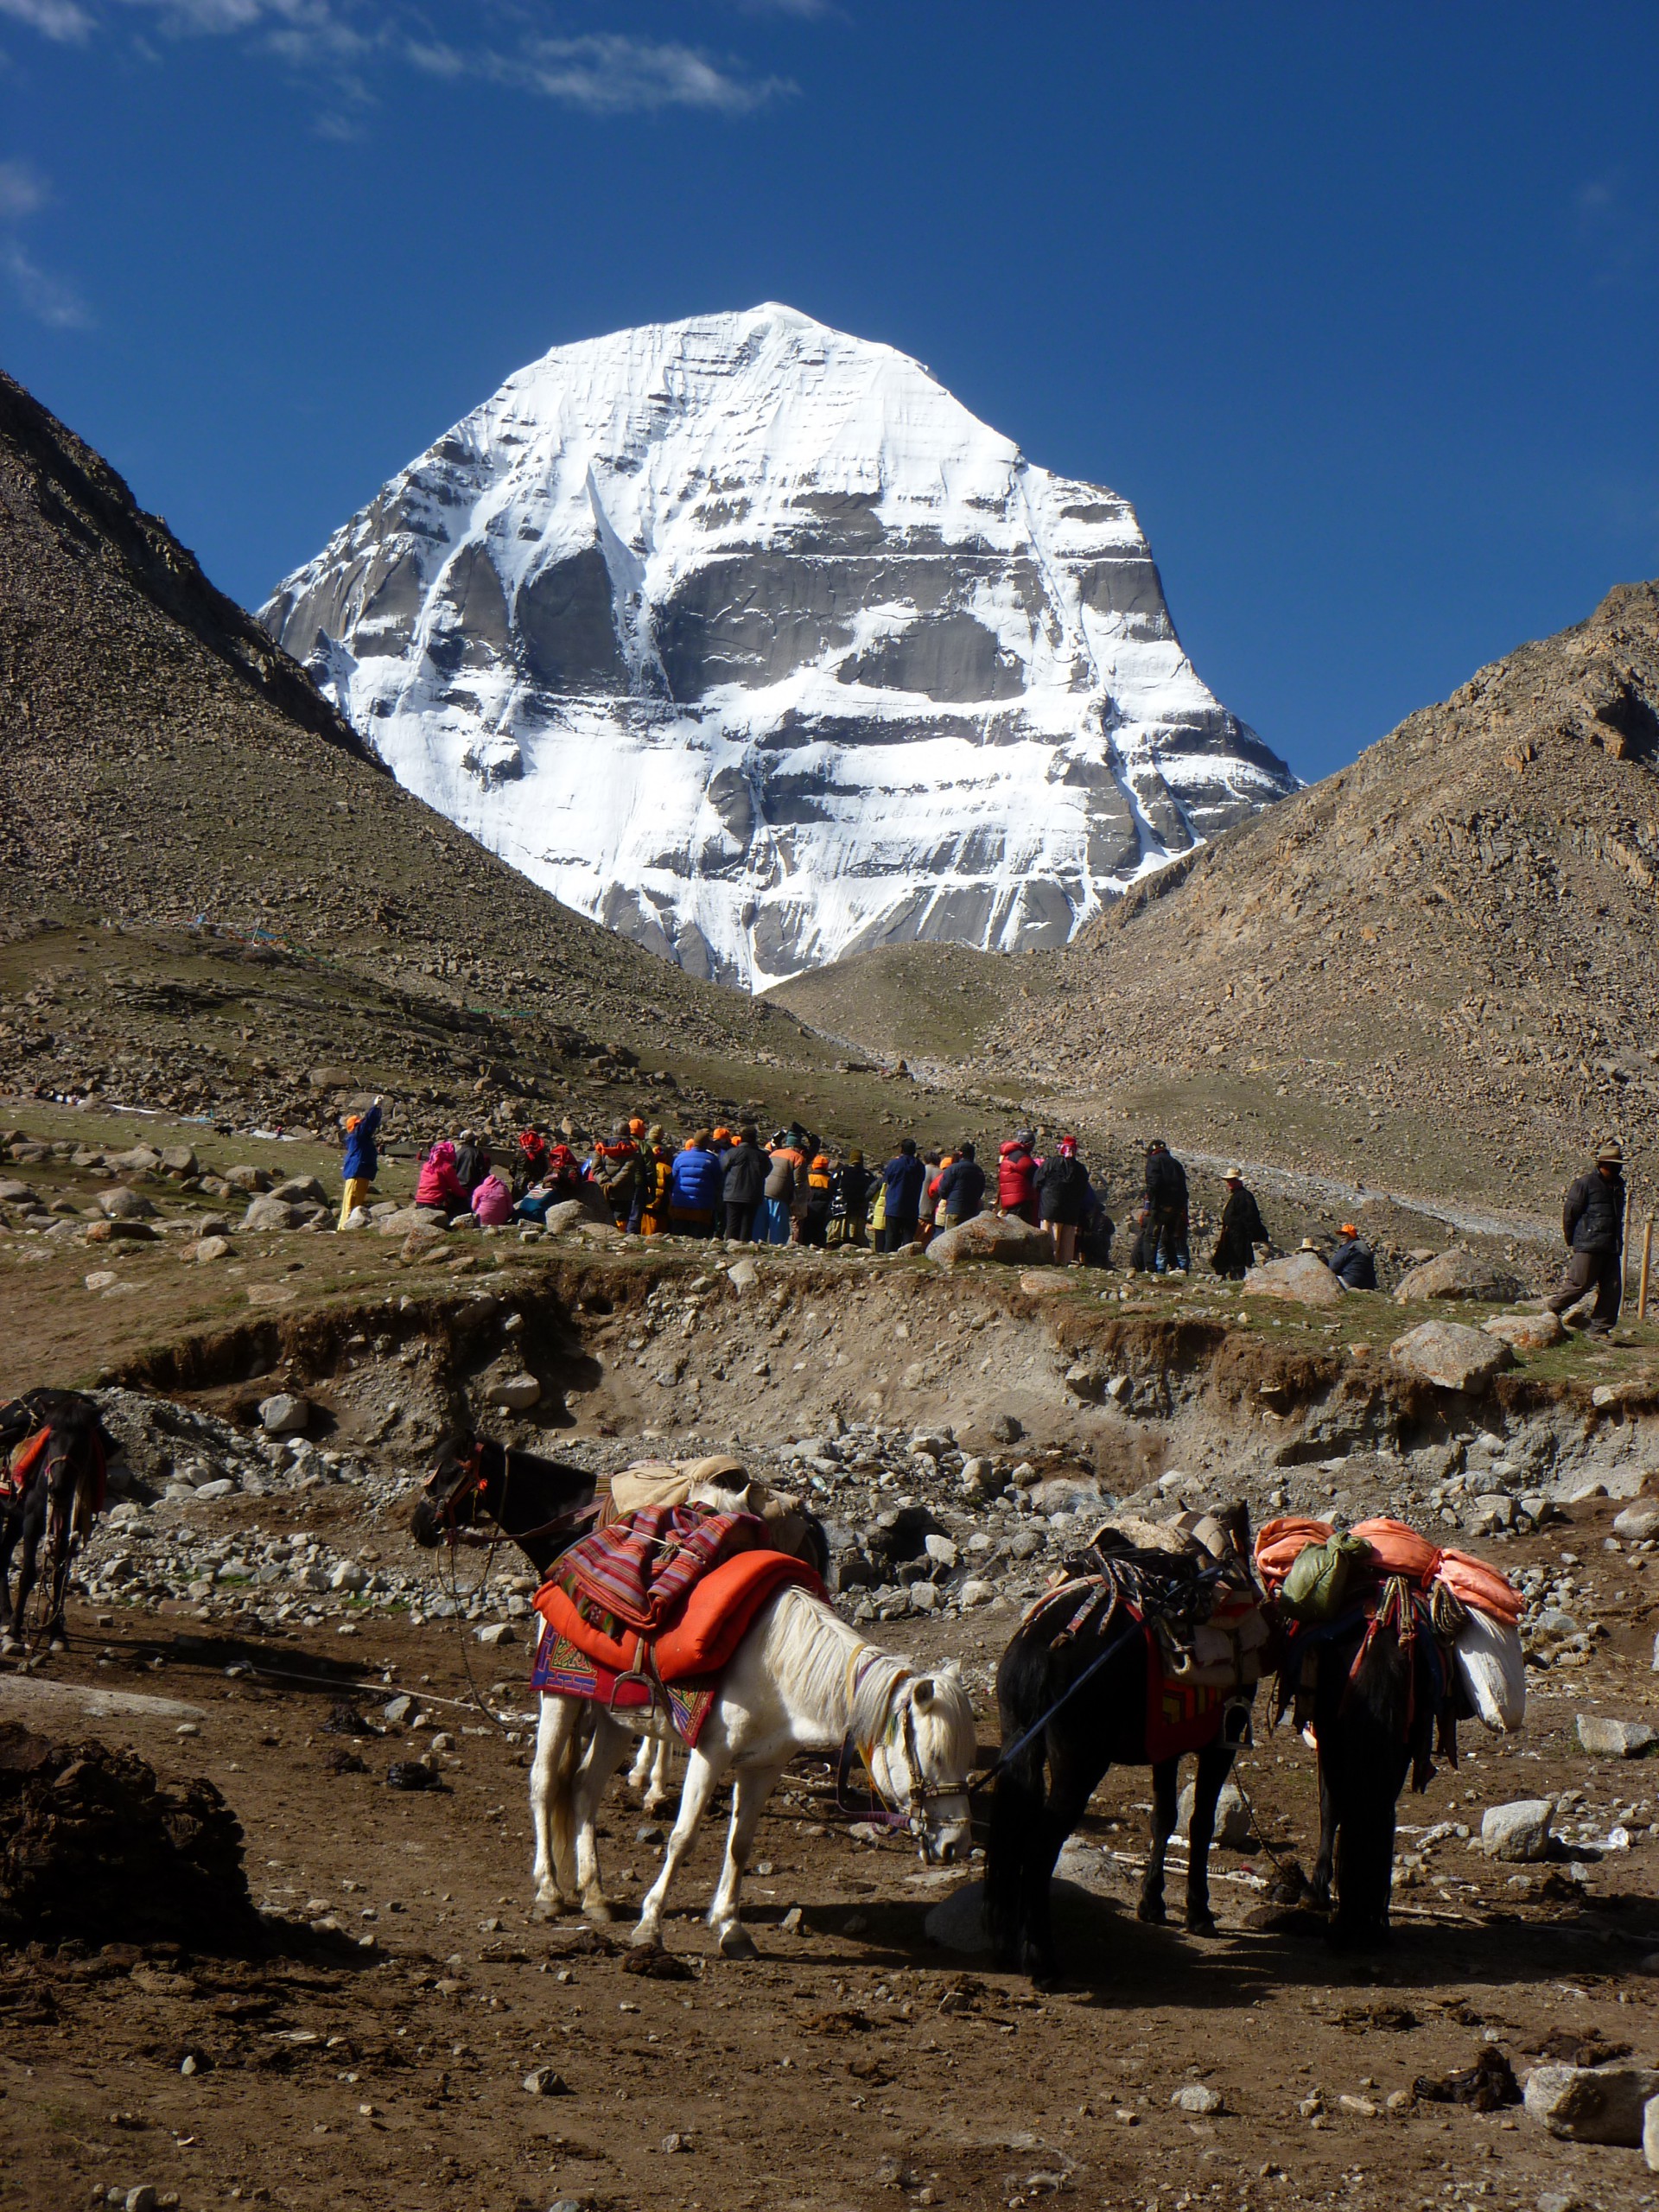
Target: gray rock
(1301, 1280)
(1233, 1826)
(742, 1276)
(1457, 1272)
(1591, 2104)
(1006, 1427)
(1085, 1380)
(1526, 1332)
(300, 1190)
(1197, 2097)
(1491, 1511)
(221, 1486)
(400, 1710)
(546, 2082)
(141, 2199)
(999, 1237)
(274, 1213)
(1451, 1357)
(285, 1415)
(1650, 2135)
(179, 1160)
(212, 1248)
(348, 1575)
(941, 1549)
(1637, 1523)
(120, 1203)
(497, 1632)
(514, 1393)
(975, 1592)
(1519, 1831)
(1615, 1739)
(249, 1179)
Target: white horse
(800, 1681)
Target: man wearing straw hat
(1593, 1222)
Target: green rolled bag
(1315, 1588)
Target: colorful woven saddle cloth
(589, 1650)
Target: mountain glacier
(744, 637)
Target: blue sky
(1357, 304)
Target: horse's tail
(1019, 1794)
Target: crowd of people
(792, 1190)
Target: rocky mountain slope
(1439, 968)
(209, 888)
(744, 638)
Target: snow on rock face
(744, 637)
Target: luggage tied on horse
(1392, 1576)
(1201, 1615)
(648, 1610)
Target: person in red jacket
(1016, 1177)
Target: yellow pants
(355, 1194)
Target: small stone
(348, 1575)
(1639, 1522)
(1311, 2107)
(975, 1592)
(924, 1597)
(1614, 1740)
(546, 2082)
(941, 1550)
(1525, 1331)
(400, 1711)
(1400, 2101)
(1603, 1395)
(221, 1486)
(285, 1415)
(497, 1632)
(100, 1277)
(743, 1276)
(141, 2199)
(675, 2142)
(187, 2064)
(793, 1922)
(1361, 2105)
(515, 1393)
(1518, 1831)
(208, 1248)
(1198, 2097)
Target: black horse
(1376, 1690)
(543, 1505)
(1100, 1723)
(53, 1449)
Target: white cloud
(608, 74)
(44, 296)
(22, 189)
(56, 19)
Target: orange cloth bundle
(1400, 1550)
(1482, 1588)
(1280, 1543)
(716, 1617)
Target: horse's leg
(58, 1639)
(605, 1754)
(755, 1785)
(1165, 1776)
(700, 1782)
(1325, 1864)
(11, 1525)
(644, 1760)
(1075, 1767)
(659, 1790)
(33, 1529)
(1214, 1764)
(549, 1788)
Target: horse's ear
(922, 1696)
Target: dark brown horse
(53, 1449)
(542, 1504)
(1072, 1695)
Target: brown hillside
(169, 773)
(1436, 969)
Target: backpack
(1320, 1576)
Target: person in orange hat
(1353, 1262)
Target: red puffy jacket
(1016, 1176)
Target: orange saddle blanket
(711, 1623)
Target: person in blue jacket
(904, 1176)
(359, 1162)
(695, 1187)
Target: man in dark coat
(1063, 1194)
(961, 1186)
(904, 1176)
(1353, 1262)
(1593, 1223)
(1166, 1195)
(743, 1183)
(1242, 1230)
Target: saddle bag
(1317, 1584)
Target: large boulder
(1446, 1353)
(120, 1203)
(1519, 1831)
(999, 1237)
(1591, 2104)
(1526, 1332)
(1457, 1272)
(1301, 1280)
(275, 1213)
(301, 1189)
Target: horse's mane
(814, 1652)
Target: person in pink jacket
(439, 1187)
(491, 1201)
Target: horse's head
(923, 1758)
(456, 1494)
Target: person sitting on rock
(437, 1189)
(492, 1200)
(1242, 1230)
(1353, 1262)
(1593, 1223)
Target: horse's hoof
(59, 1643)
(1201, 1923)
(736, 1943)
(545, 1908)
(10, 1647)
(1151, 1910)
(596, 1909)
(646, 1938)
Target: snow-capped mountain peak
(745, 637)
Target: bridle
(474, 1486)
(901, 1715)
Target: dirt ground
(378, 2058)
